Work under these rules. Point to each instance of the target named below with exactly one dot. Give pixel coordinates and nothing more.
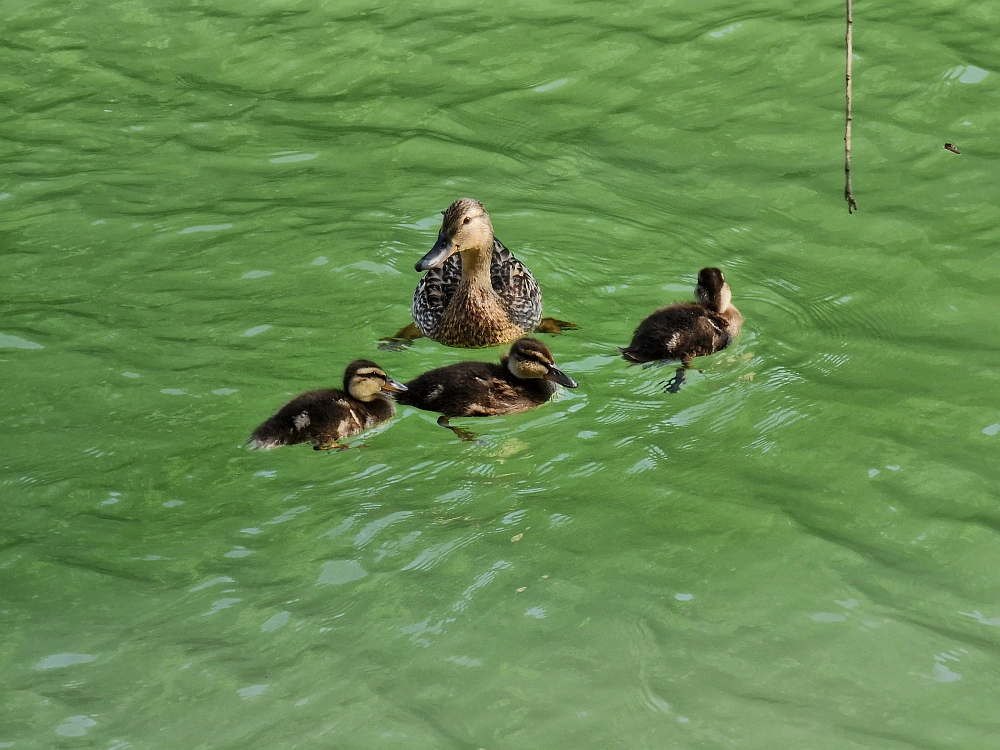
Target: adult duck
(688, 329)
(474, 293)
(325, 416)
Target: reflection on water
(211, 208)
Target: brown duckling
(325, 416)
(522, 380)
(688, 329)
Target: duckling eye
(467, 219)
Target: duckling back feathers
(326, 415)
(480, 389)
(679, 331)
(689, 329)
(475, 389)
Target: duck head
(712, 290)
(530, 358)
(365, 380)
(466, 226)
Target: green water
(210, 206)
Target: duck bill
(393, 386)
(558, 376)
(442, 250)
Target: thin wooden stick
(852, 205)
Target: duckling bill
(523, 379)
(322, 417)
(688, 329)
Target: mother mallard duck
(475, 293)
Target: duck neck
(382, 402)
(475, 290)
(476, 267)
(476, 315)
(733, 318)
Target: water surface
(208, 207)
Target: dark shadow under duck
(524, 378)
(474, 293)
(323, 417)
(688, 329)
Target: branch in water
(852, 205)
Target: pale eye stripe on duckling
(367, 372)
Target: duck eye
(467, 219)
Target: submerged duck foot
(554, 325)
(674, 384)
(334, 446)
(401, 339)
(467, 436)
(393, 345)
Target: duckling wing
(434, 293)
(473, 389)
(678, 332)
(315, 416)
(515, 285)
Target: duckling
(483, 297)
(325, 416)
(524, 379)
(688, 329)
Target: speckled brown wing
(433, 294)
(678, 332)
(515, 285)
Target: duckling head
(365, 380)
(466, 226)
(712, 290)
(530, 358)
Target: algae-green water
(209, 206)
